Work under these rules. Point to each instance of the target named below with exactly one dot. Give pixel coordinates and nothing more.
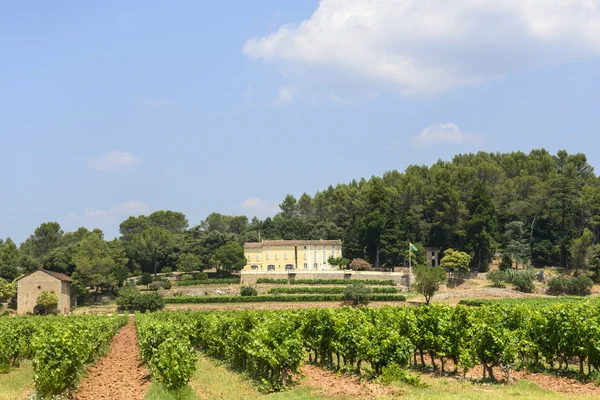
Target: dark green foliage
(248, 290)
(481, 228)
(357, 294)
(579, 285)
(145, 279)
(186, 277)
(130, 298)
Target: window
(254, 266)
(433, 254)
(276, 254)
(305, 265)
(305, 255)
(249, 258)
(270, 267)
(258, 257)
(289, 267)
(316, 265)
(285, 256)
(267, 257)
(304, 247)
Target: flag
(412, 247)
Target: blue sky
(109, 109)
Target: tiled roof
(258, 245)
(59, 275)
(56, 275)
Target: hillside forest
(535, 209)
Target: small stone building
(31, 285)
(432, 256)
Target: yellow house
(282, 255)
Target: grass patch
(17, 382)
(450, 389)
(158, 392)
(214, 381)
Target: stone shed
(31, 285)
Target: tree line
(534, 209)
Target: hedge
(224, 281)
(528, 301)
(274, 299)
(325, 290)
(325, 282)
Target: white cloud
(448, 133)
(286, 95)
(417, 47)
(259, 207)
(113, 160)
(150, 101)
(124, 209)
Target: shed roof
(54, 274)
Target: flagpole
(409, 265)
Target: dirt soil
(328, 383)
(120, 375)
(558, 384)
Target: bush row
(274, 298)
(325, 282)
(224, 281)
(167, 350)
(325, 290)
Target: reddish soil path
(120, 375)
(331, 384)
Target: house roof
(259, 245)
(54, 274)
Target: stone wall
(250, 277)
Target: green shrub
(155, 286)
(129, 298)
(150, 302)
(497, 277)
(145, 279)
(201, 276)
(522, 279)
(48, 301)
(393, 373)
(579, 285)
(248, 290)
(186, 277)
(167, 285)
(357, 294)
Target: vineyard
(59, 347)
(270, 347)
